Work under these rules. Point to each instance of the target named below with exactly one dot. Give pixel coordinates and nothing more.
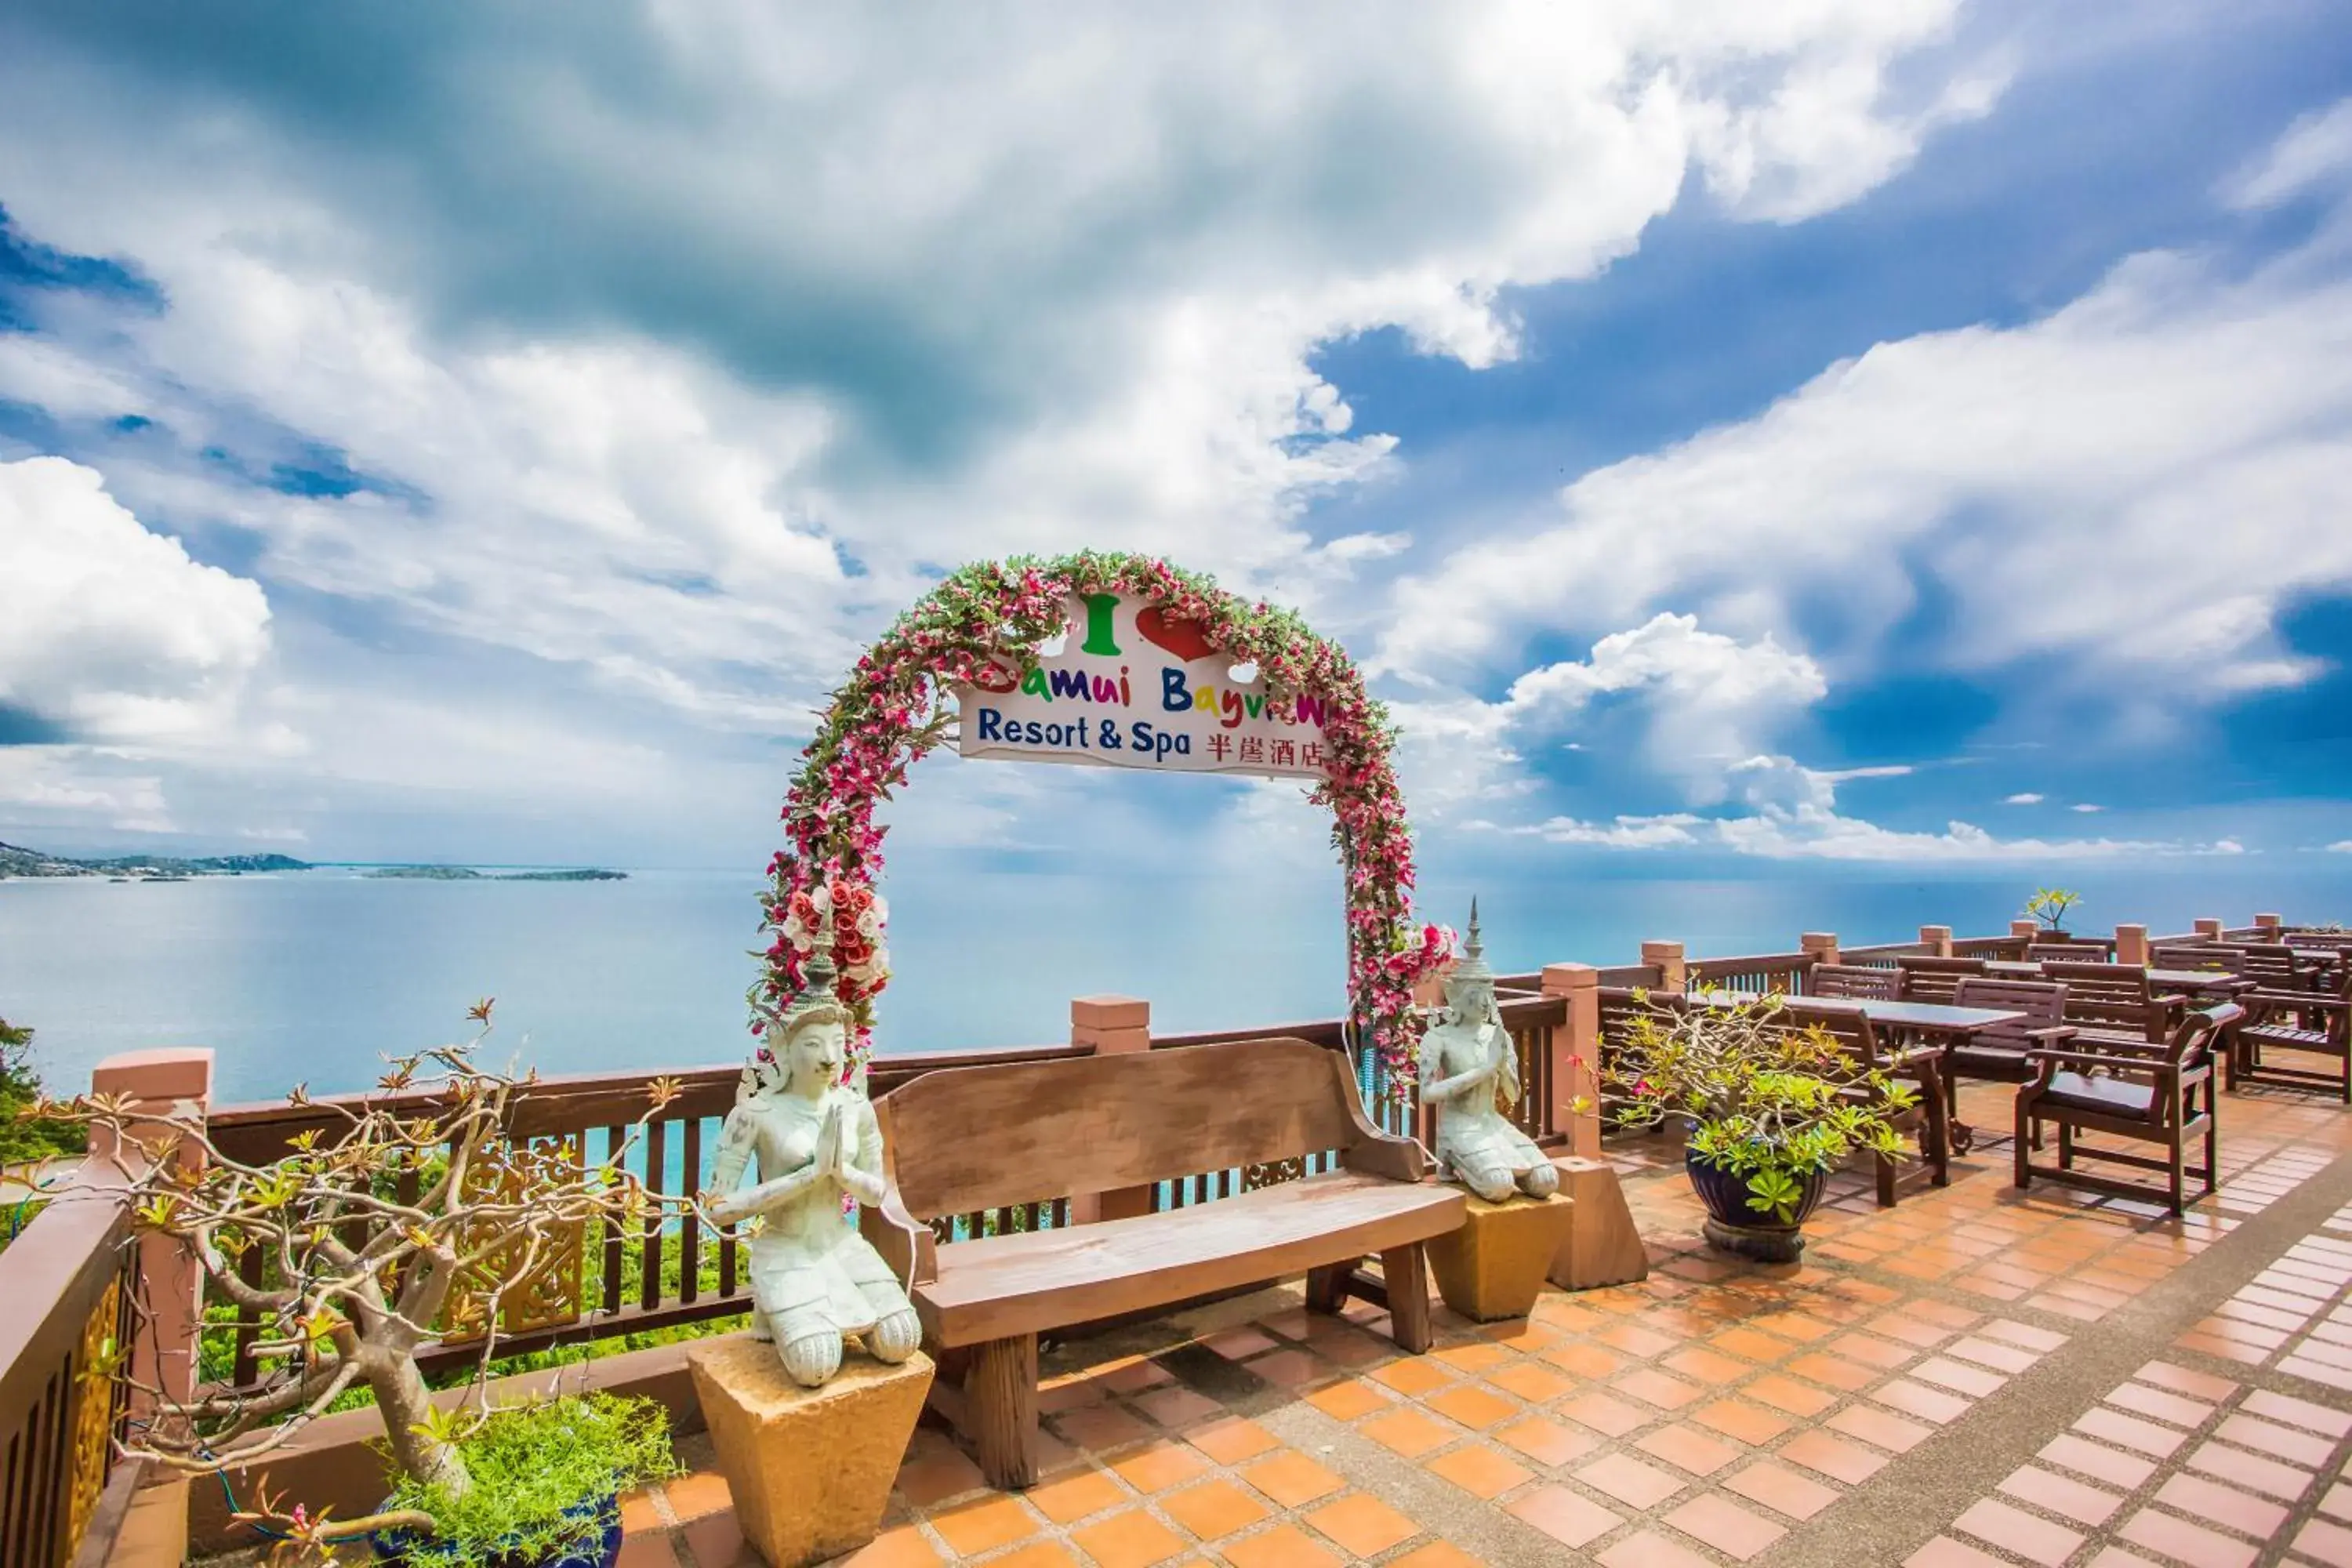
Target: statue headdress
(818, 1001)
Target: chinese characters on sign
(1134, 689)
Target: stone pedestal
(810, 1467)
(1493, 1267)
(1602, 1246)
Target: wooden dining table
(2200, 981)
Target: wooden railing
(1765, 975)
(69, 1316)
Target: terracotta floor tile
(1715, 1520)
(638, 1514)
(1544, 1441)
(1213, 1508)
(1687, 1448)
(1568, 1518)
(1834, 1457)
(1610, 1418)
(2180, 1380)
(1133, 1376)
(1992, 1354)
(1407, 1431)
(2013, 1530)
(1231, 1440)
(937, 1478)
(1754, 1346)
(1629, 1480)
(1473, 1404)
(1882, 1427)
(2324, 1542)
(1782, 1490)
(653, 1550)
(1291, 1479)
(1414, 1375)
(1531, 1380)
(1129, 1540)
(1635, 1339)
(1749, 1423)
(1101, 1428)
(1074, 1496)
(1917, 1399)
(1786, 1394)
(1160, 1467)
(1651, 1386)
(1238, 1344)
(692, 1496)
(1437, 1554)
(1872, 1351)
(901, 1546)
(1835, 1372)
(1710, 1367)
(1585, 1360)
(2126, 1470)
(2128, 1432)
(1648, 1549)
(1347, 1401)
(2085, 1505)
(2226, 1506)
(2177, 1538)
(1283, 1546)
(985, 1523)
(1922, 1336)
(1474, 1357)
(1293, 1369)
(1176, 1405)
(1362, 1524)
(1478, 1469)
(2300, 1413)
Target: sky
(1830, 435)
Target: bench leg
(1406, 1274)
(1327, 1287)
(1000, 1404)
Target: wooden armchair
(1935, 979)
(2298, 1021)
(2110, 1002)
(1921, 1064)
(2142, 1092)
(1854, 981)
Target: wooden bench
(988, 1137)
(1927, 979)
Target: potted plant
(2048, 905)
(398, 1217)
(1771, 1109)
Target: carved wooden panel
(548, 1296)
(93, 1412)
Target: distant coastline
(17, 863)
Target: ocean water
(312, 977)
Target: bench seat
(1033, 1282)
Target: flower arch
(894, 708)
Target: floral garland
(985, 617)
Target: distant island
(16, 861)
(468, 874)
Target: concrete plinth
(1493, 1267)
(1602, 1246)
(810, 1467)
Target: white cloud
(2025, 798)
(2039, 478)
(80, 787)
(2085, 806)
(2341, 847)
(107, 629)
(2317, 149)
(1673, 830)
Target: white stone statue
(815, 1280)
(1467, 1065)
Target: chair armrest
(2098, 1059)
(2296, 1001)
(2053, 1033)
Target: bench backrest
(1853, 980)
(988, 1137)
(2106, 994)
(2042, 1001)
(2064, 953)
(1935, 979)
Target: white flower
(821, 898)
(870, 923)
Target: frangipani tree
(411, 1209)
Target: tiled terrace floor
(1977, 1377)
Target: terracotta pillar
(2028, 929)
(177, 1080)
(1112, 1026)
(2131, 945)
(1666, 958)
(2209, 929)
(1937, 940)
(2269, 925)
(1821, 946)
(1576, 1055)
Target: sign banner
(1132, 687)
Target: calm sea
(312, 976)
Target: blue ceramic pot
(1732, 1226)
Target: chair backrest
(1935, 979)
(1851, 1028)
(2274, 961)
(986, 1137)
(2064, 953)
(2193, 955)
(1852, 980)
(2042, 1001)
(2107, 993)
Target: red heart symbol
(1182, 638)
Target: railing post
(2268, 924)
(2209, 929)
(1576, 1056)
(1113, 1026)
(1937, 940)
(2028, 929)
(1666, 958)
(176, 1080)
(1821, 946)
(2131, 945)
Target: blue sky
(1887, 432)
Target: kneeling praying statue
(1467, 1061)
